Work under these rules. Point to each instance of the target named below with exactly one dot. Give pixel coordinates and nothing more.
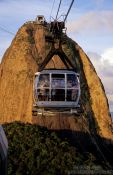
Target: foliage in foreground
(34, 150)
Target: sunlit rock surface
(19, 64)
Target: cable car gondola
(57, 89)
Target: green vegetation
(36, 150)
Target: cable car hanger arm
(61, 55)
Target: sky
(90, 24)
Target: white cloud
(107, 56)
(93, 22)
(110, 97)
(105, 71)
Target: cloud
(108, 56)
(110, 97)
(96, 59)
(93, 22)
(111, 101)
(105, 71)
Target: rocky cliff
(19, 64)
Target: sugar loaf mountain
(55, 135)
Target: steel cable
(58, 9)
(52, 8)
(7, 31)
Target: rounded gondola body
(56, 89)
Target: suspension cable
(52, 8)
(68, 11)
(7, 31)
(93, 138)
(58, 9)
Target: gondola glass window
(56, 86)
(72, 87)
(43, 86)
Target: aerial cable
(58, 9)
(68, 11)
(7, 31)
(93, 138)
(52, 8)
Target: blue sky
(90, 23)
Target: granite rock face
(19, 64)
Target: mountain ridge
(19, 64)
(112, 115)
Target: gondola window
(56, 88)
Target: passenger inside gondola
(71, 81)
(72, 94)
(58, 90)
(43, 94)
(43, 87)
(58, 81)
(72, 84)
(44, 81)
